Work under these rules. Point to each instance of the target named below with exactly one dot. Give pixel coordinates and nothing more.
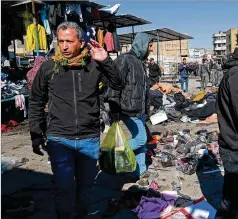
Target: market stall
(35, 24)
(159, 35)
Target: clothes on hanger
(8, 33)
(71, 8)
(55, 16)
(5, 40)
(108, 40)
(95, 13)
(100, 37)
(17, 31)
(116, 41)
(31, 38)
(44, 18)
(27, 19)
(87, 35)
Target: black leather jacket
(133, 99)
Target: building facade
(231, 40)
(219, 44)
(197, 54)
(171, 51)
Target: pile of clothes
(10, 89)
(9, 126)
(188, 152)
(180, 107)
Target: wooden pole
(36, 29)
(14, 49)
(133, 32)
(158, 47)
(180, 47)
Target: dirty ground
(35, 177)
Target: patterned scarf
(79, 60)
(32, 73)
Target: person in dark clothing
(104, 111)
(204, 72)
(69, 82)
(184, 75)
(227, 111)
(154, 72)
(132, 102)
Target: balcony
(219, 41)
(219, 48)
(219, 35)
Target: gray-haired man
(69, 83)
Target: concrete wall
(231, 41)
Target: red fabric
(95, 13)
(32, 73)
(13, 123)
(154, 141)
(4, 128)
(108, 40)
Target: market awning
(163, 34)
(26, 2)
(125, 20)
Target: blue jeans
(73, 161)
(184, 81)
(138, 141)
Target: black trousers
(229, 205)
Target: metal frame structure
(124, 20)
(121, 21)
(158, 35)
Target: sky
(199, 19)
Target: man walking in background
(154, 72)
(204, 72)
(132, 102)
(184, 75)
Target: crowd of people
(71, 83)
(208, 71)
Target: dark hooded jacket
(133, 99)
(73, 98)
(227, 106)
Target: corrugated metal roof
(124, 20)
(164, 34)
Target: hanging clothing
(5, 40)
(20, 102)
(17, 31)
(100, 37)
(27, 19)
(55, 16)
(70, 8)
(116, 41)
(87, 35)
(95, 13)
(108, 40)
(44, 19)
(31, 38)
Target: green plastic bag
(116, 156)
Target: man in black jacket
(132, 102)
(154, 72)
(69, 83)
(227, 110)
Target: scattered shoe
(143, 182)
